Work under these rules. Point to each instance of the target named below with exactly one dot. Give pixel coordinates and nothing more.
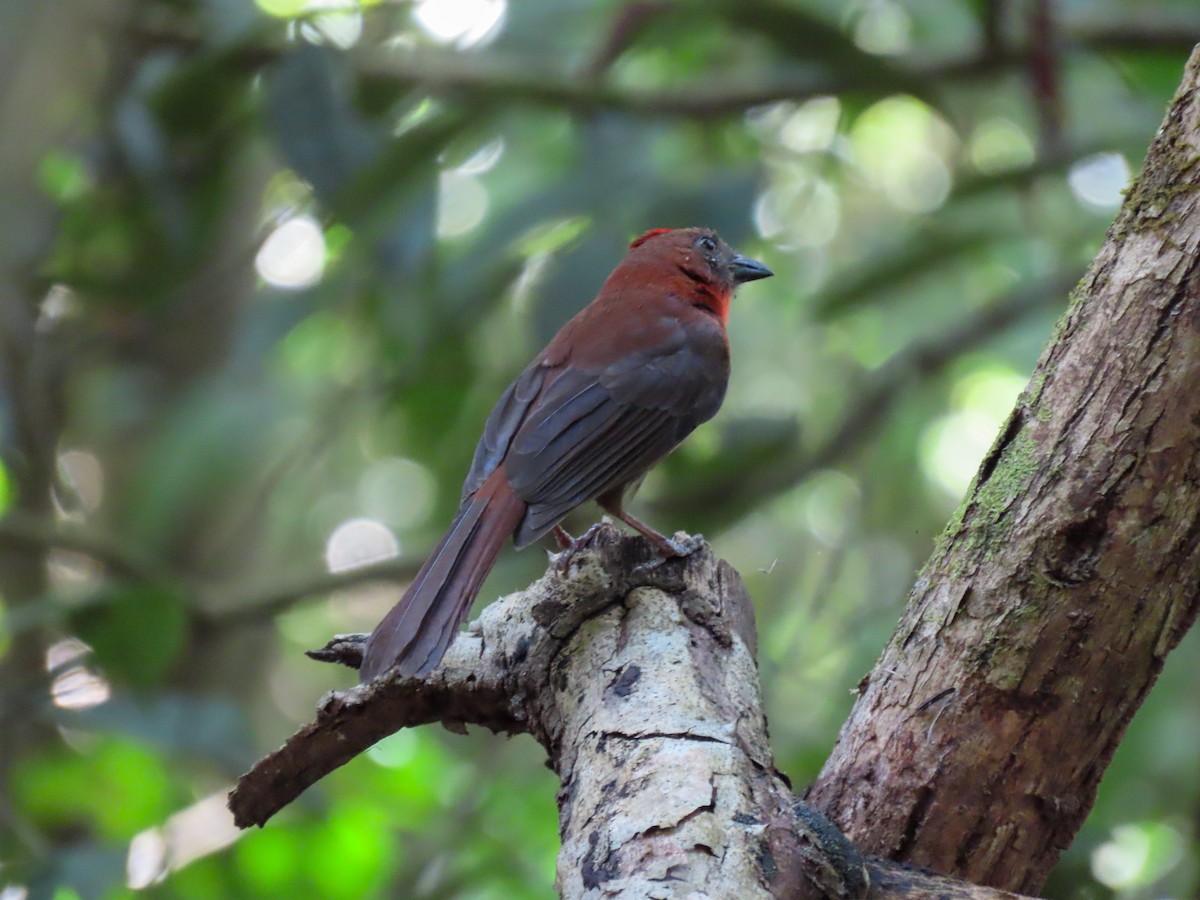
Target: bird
(619, 387)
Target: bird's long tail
(415, 633)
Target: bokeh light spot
(813, 126)
(397, 491)
(804, 213)
(953, 445)
(1098, 181)
(902, 144)
(75, 686)
(482, 160)
(831, 506)
(339, 22)
(1137, 855)
(884, 29)
(462, 204)
(464, 23)
(194, 832)
(999, 145)
(293, 255)
(82, 472)
(360, 542)
(282, 9)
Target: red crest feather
(649, 234)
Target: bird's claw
(672, 548)
(685, 545)
(563, 538)
(562, 561)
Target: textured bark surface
(1071, 570)
(642, 687)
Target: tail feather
(415, 633)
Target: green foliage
(69, 789)
(135, 631)
(271, 264)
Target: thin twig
(272, 600)
(874, 401)
(21, 529)
(120, 559)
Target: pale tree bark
(1070, 571)
(1031, 637)
(643, 689)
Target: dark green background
(928, 180)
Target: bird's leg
(667, 547)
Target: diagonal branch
(22, 529)
(1043, 618)
(271, 600)
(882, 390)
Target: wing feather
(566, 433)
(502, 424)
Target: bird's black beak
(745, 269)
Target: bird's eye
(707, 244)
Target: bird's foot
(571, 546)
(563, 538)
(346, 649)
(675, 547)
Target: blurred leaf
(115, 789)
(318, 132)
(269, 859)
(6, 488)
(136, 632)
(62, 175)
(800, 35)
(746, 445)
(197, 463)
(1153, 72)
(212, 729)
(207, 96)
(352, 852)
(872, 279)
(404, 162)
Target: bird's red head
(704, 263)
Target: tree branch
(642, 687)
(25, 530)
(873, 401)
(1070, 571)
(19, 529)
(273, 599)
(494, 78)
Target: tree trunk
(1070, 571)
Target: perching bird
(616, 390)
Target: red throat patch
(649, 234)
